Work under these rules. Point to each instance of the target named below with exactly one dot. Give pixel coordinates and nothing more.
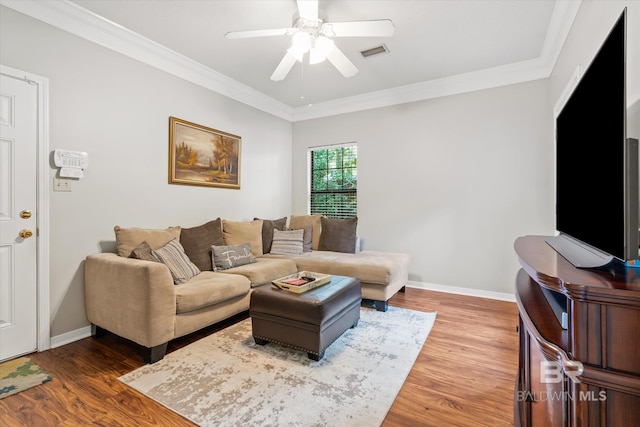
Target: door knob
(26, 233)
(25, 214)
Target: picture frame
(199, 155)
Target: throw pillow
(287, 242)
(238, 233)
(301, 221)
(268, 225)
(229, 256)
(172, 255)
(129, 238)
(338, 235)
(144, 252)
(307, 239)
(197, 242)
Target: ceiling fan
(312, 34)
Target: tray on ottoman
(301, 281)
(308, 321)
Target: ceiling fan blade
(377, 28)
(308, 9)
(283, 67)
(342, 63)
(259, 33)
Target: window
(334, 181)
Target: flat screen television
(596, 164)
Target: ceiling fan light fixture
(316, 57)
(299, 56)
(321, 47)
(313, 33)
(300, 44)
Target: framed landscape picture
(199, 155)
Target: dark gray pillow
(338, 235)
(197, 242)
(143, 252)
(307, 239)
(268, 225)
(225, 257)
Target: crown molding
(485, 79)
(76, 20)
(83, 23)
(564, 13)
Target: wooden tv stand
(599, 351)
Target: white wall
(117, 110)
(452, 181)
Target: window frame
(310, 170)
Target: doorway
(24, 214)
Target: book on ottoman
(301, 281)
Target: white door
(18, 204)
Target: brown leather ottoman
(309, 321)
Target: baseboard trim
(69, 337)
(502, 296)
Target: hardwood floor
(464, 375)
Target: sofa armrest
(132, 298)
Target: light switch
(61, 184)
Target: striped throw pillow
(287, 242)
(172, 255)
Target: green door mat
(20, 374)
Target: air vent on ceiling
(375, 51)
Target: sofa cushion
(301, 221)
(237, 233)
(172, 255)
(338, 235)
(144, 252)
(209, 288)
(264, 270)
(197, 242)
(225, 257)
(268, 225)
(128, 238)
(287, 242)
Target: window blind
(334, 182)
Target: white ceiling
(436, 43)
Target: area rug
(20, 374)
(225, 379)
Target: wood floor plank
(464, 375)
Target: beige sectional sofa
(147, 302)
